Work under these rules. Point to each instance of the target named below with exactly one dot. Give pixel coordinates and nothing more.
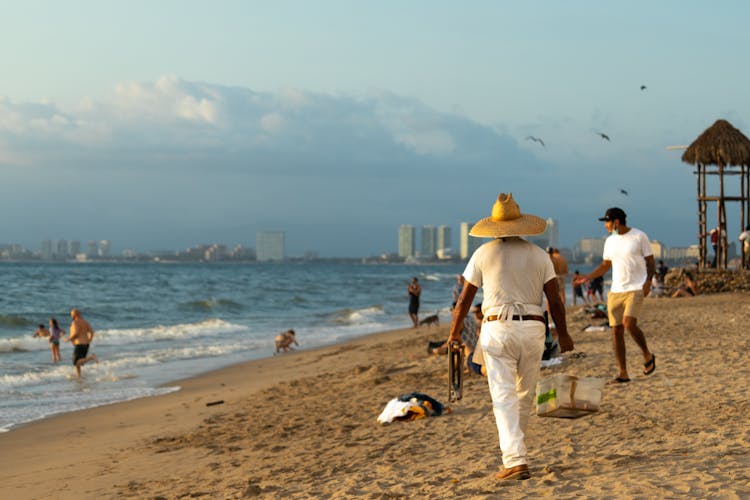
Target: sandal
(649, 366)
(618, 380)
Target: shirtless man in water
(81, 334)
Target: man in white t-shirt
(513, 275)
(627, 251)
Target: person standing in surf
(55, 332)
(81, 335)
(414, 291)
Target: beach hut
(724, 151)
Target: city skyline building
(550, 236)
(104, 246)
(429, 242)
(468, 244)
(46, 250)
(92, 248)
(269, 246)
(406, 234)
(74, 248)
(61, 249)
(444, 241)
(589, 249)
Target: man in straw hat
(627, 251)
(513, 274)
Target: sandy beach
(303, 425)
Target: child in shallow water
(285, 340)
(55, 332)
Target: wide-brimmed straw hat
(507, 220)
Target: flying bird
(643, 87)
(535, 139)
(624, 192)
(603, 136)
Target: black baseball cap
(614, 213)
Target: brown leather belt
(526, 317)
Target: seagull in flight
(603, 136)
(643, 87)
(535, 139)
(623, 192)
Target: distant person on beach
(42, 332)
(661, 272)
(657, 287)
(578, 290)
(55, 332)
(714, 236)
(560, 265)
(456, 290)
(513, 274)
(744, 237)
(688, 287)
(81, 335)
(285, 340)
(414, 290)
(469, 337)
(596, 287)
(627, 251)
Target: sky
(161, 125)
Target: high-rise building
(553, 232)
(683, 254)
(46, 250)
(467, 244)
(104, 248)
(269, 245)
(589, 249)
(658, 248)
(429, 242)
(92, 248)
(61, 249)
(549, 238)
(443, 241)
(406, 241)
(74, 248)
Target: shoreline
(178, 382)
(303, 424)
(195, 379)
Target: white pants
(512, 353)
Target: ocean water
(157, 323)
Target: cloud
(263, 131)
(272, 122)
(191, 157)
(166, 100)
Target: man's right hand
(566, 343)
(579, 280)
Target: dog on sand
(430, 320)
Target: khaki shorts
(623, 304)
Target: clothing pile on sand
(411, 406)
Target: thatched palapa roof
(720, 144)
